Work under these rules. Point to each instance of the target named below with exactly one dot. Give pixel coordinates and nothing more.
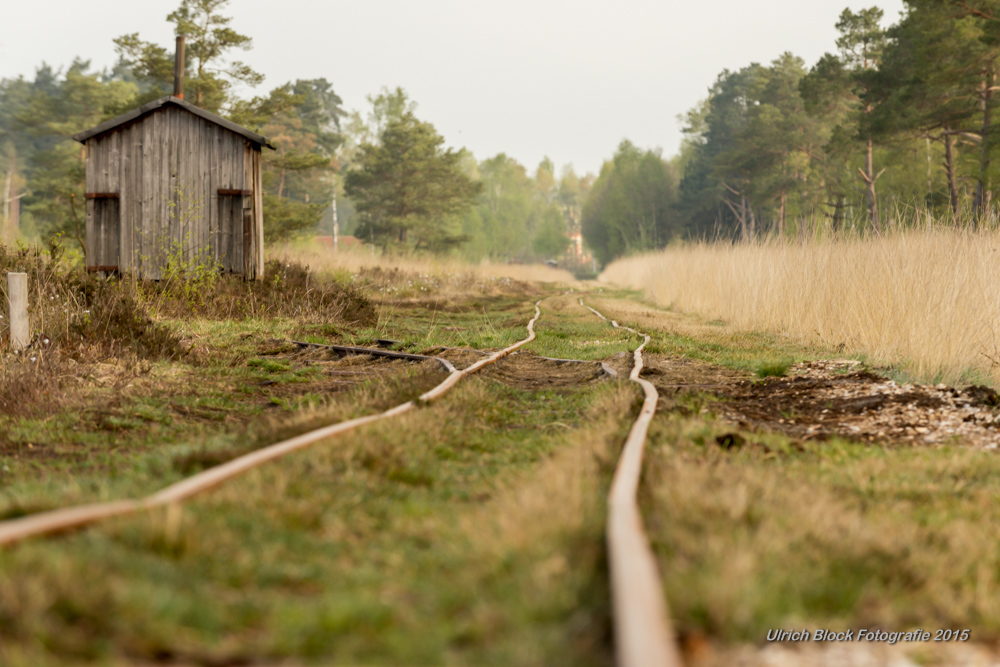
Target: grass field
(471, 530)
(426, 540)
(448, 272)
(926, 301)
(786, 532)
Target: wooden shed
(169, 182)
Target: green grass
(479, 323)
(469, 531)
(427, 540)
(693, 337)
(358, 551)
(774, 368)
(832, 534)
(836, 534)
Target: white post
(17, 301)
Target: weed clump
(291, 290)
(117, 320)
(29, 380)
(79, 319)
(774, 368)
(288, 289)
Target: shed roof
(150, 107)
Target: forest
(893, 127)
(890, 129)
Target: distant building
(575, 251)
(342, 241)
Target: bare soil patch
(819, 400)
(458, 356)
(676, 374)
(328, 372)
(523, 370)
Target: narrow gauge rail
(643, 633)
(42, 523)
(345, 350)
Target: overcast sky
(566, 79)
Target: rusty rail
(605, 368)
(344, 350)
(643, 632)
(68, 518)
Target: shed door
(103, 232)
(236, 231)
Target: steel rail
(643, 632)
(344, 350)
(42, 523)
(605, 368)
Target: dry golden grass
(927, 301)
(886, 539)
(355, 260)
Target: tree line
(397, 185)
(892, 119)
(891, 122)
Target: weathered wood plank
(249, 240)
(151, 169)
(225, 203)
(17, 310)
(210, 188)
(108, 223)
(236, 212)
(239, 219)
(138, 197)
(259, 210)
(200, 180)
(96, 250)
(161, 234)
(127, 194)
(249, 224)
(149, 192)
(185, 196)
(172, 235)
(194, 196)
(115, 185)
(146, 220)
(89, 179)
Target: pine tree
(408, 189)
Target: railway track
(69, 518)
(643, 634)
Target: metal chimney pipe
(179, 68)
